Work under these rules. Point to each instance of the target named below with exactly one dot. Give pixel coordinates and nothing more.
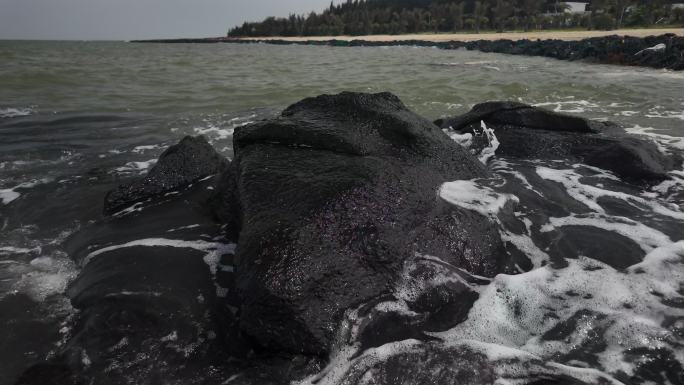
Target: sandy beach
(440, 37)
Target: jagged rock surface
(191, 159)
(332, 196)
(528, 132)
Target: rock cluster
(528, 132)
(325, 206)
(664, 51)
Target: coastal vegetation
(371, 17)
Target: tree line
(371, 17)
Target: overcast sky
(137, 19)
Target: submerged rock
(193, 158)
(529, 132)
(332, 196)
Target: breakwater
(664, 51)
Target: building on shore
(570, 7)
(576, 7)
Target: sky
(137, 19)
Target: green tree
(502, 11)
(479, 15)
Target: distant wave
(15, 112)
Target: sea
(77, 118)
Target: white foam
(85, 360)
(509, 320)
(669, 189)
(464, 140)
(15, 112)
(448, 106)
(212, 257)
(504, 167)
(219, 133)
(666, 115)
(140, 149)
(43, 276)
(646, 237)
(664, 142)
(183, 228)
(480, 62)
(589, 195)
(9, 195)
(410, 289)
(173, 336)
(164, 242)
(579, 106)
(136, 167)
(512, 311)
(627, 113)
(489, 151)
(136, 207)
(525, 244)
(471, 195)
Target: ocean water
(77, 118)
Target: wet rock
(150, 307)
(664, 51)
(410, 362)
(533, 133)
(49, 374)
(523, 115)
(146, 313)
(332, 196)
(193, 158)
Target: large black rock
(152, 297)
(330, 199)
(191, 159)
(528, 132)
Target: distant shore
(655, 48)
(465, 37)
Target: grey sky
(135, 19)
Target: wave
(15, 112)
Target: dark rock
(608, 247)
(191, 159)
(619, 50)
(533, 133)
(332, 197)
(49, 374)
(147, 312)
(432, 364)
(28, 332)
(523, 115)
(147, 299)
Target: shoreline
(665, 51)
(489, 36)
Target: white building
(576, 6)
